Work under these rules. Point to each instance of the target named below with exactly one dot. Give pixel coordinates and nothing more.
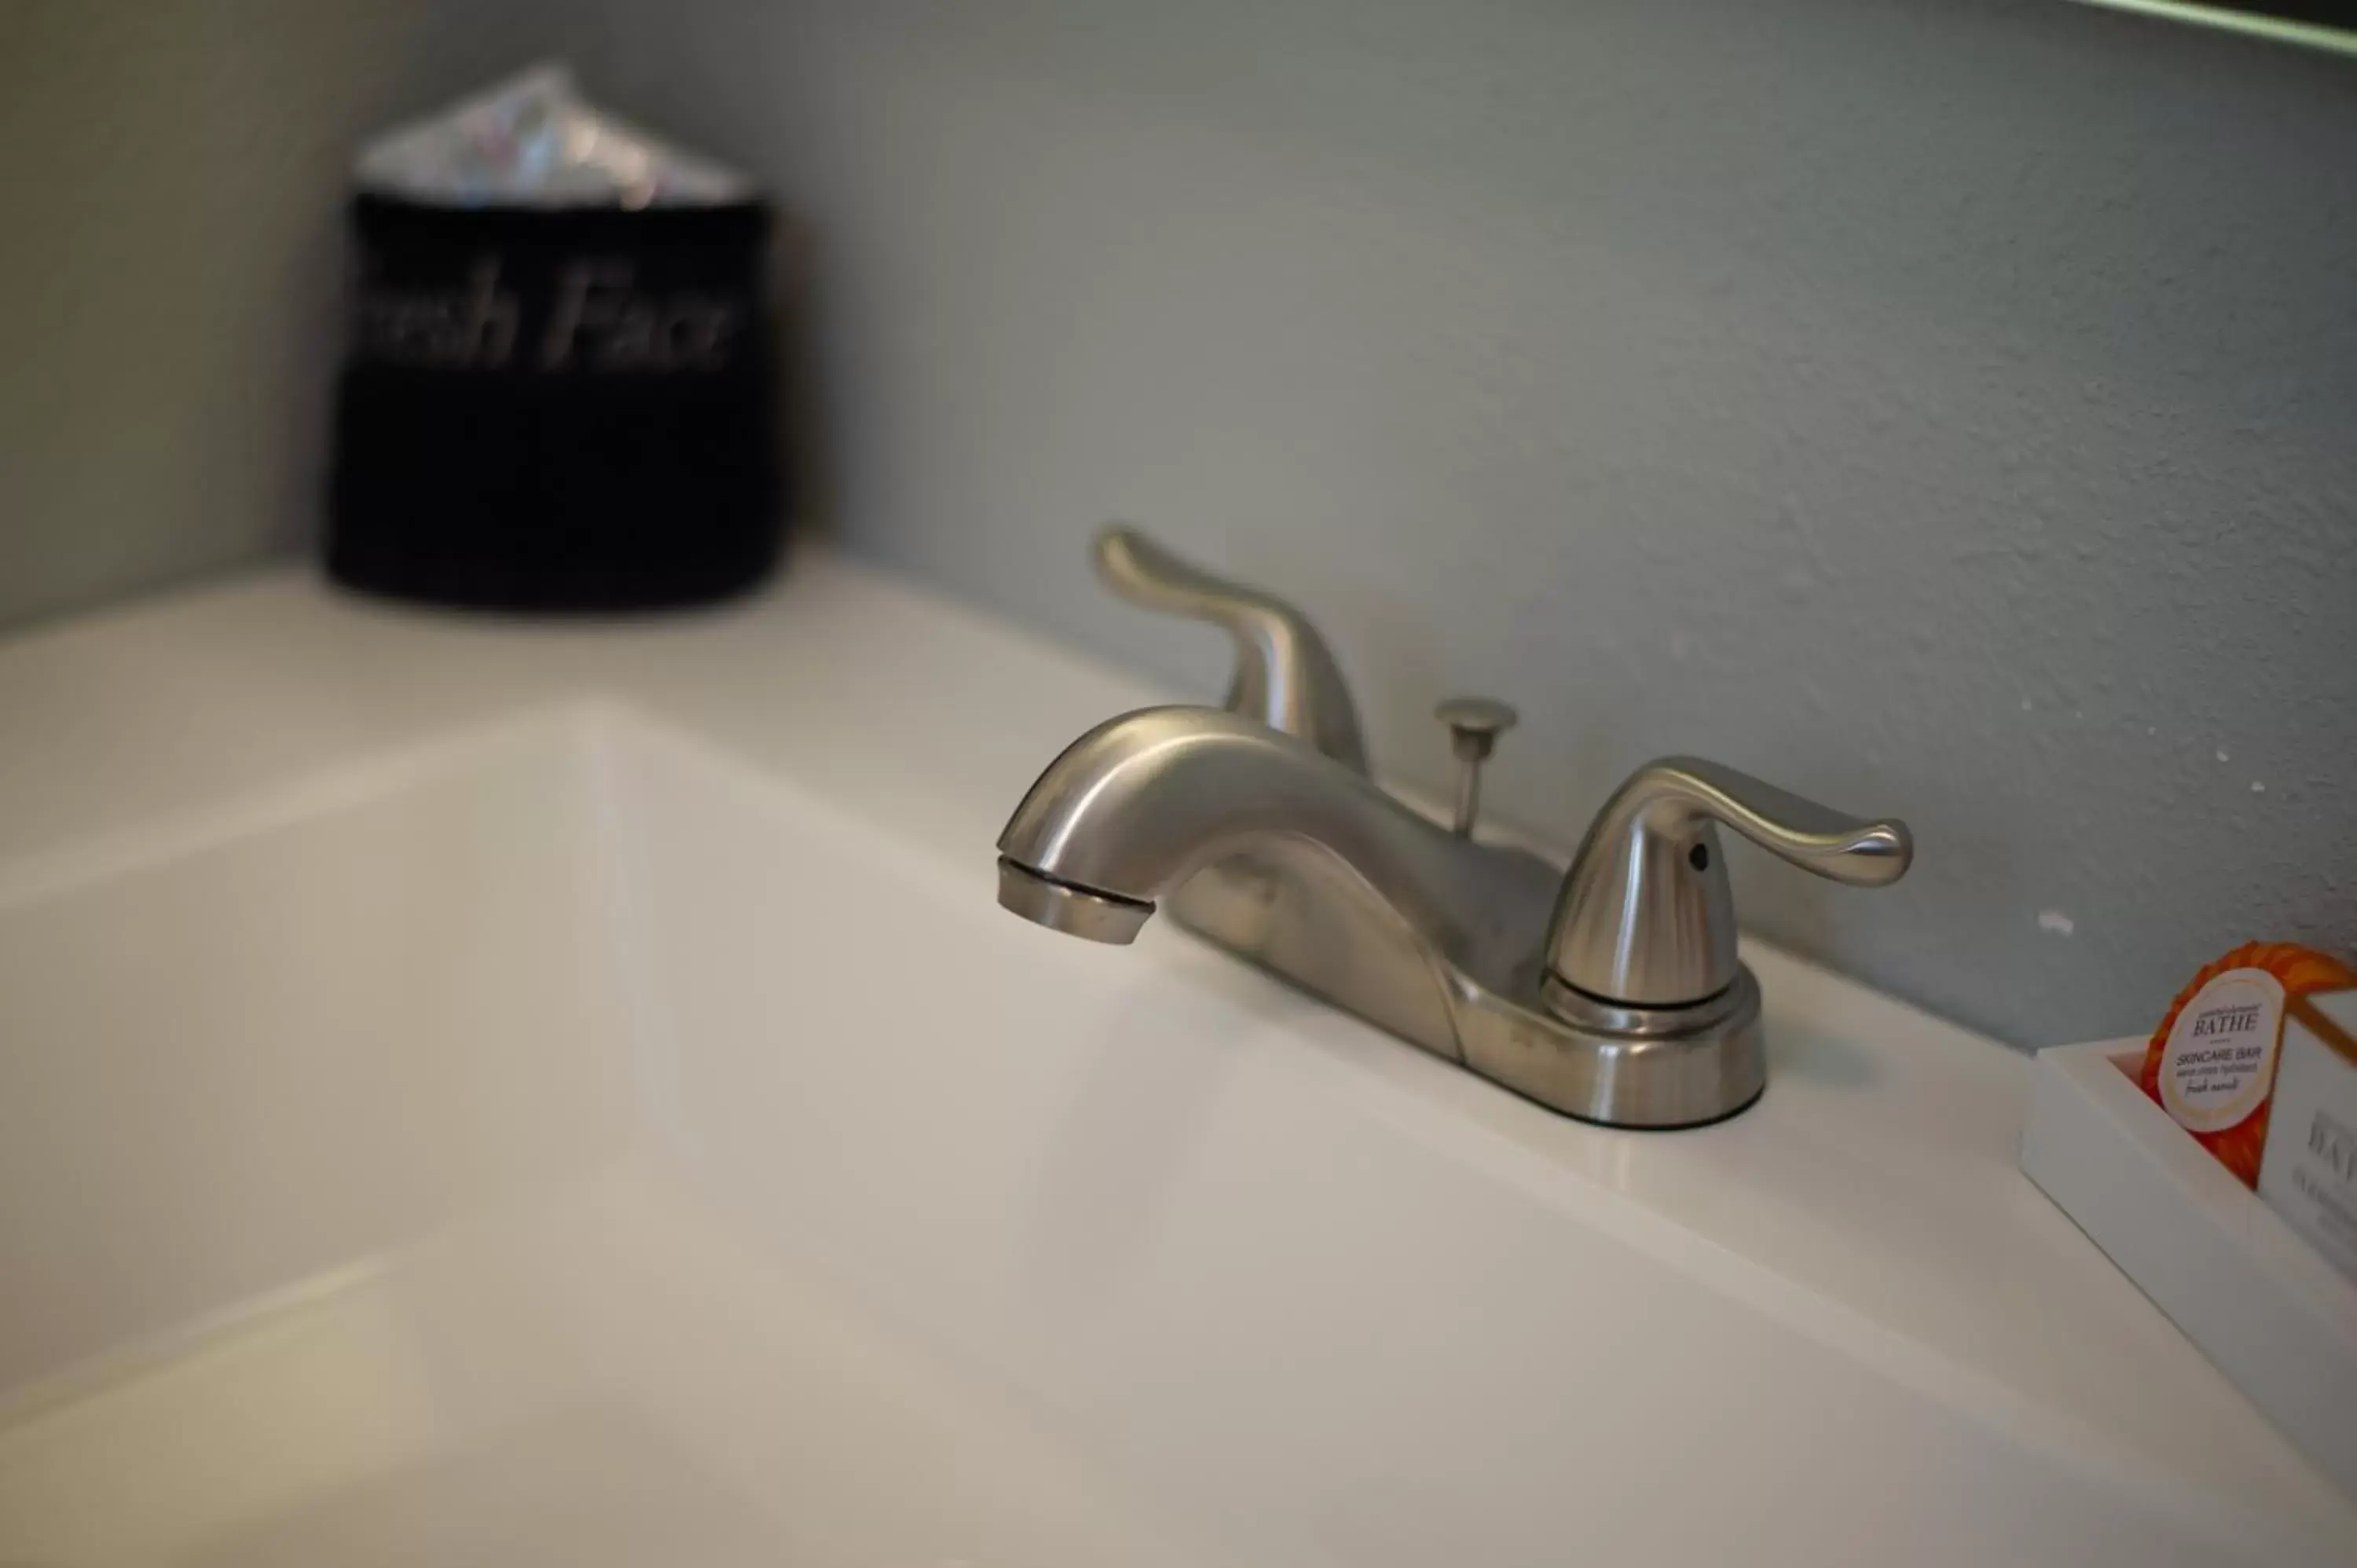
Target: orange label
(2211, 1063)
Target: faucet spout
(1140, 803)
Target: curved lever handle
(1286, 675)
(1862, 853)
(1646, 917)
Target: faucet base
(1299, 914)
(1302, 915)
(1658, 1068)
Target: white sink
(568, 1142)
(365, 1200)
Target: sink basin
(566, 1141)
(363, 1206)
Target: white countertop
(1870, 1201)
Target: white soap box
(2259, 1299)
(2310, 1173)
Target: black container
(571, 409)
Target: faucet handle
(1646, 917)
(1286, 675)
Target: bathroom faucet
(1610, 991)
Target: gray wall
(1937, 406)
(1941, 406)
(170, 268)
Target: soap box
(2309, 1174)
(2255, 1295)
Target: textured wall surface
(1941, 407)
(170, 268)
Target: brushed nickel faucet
(1610, 991)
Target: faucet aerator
(1075, 911)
